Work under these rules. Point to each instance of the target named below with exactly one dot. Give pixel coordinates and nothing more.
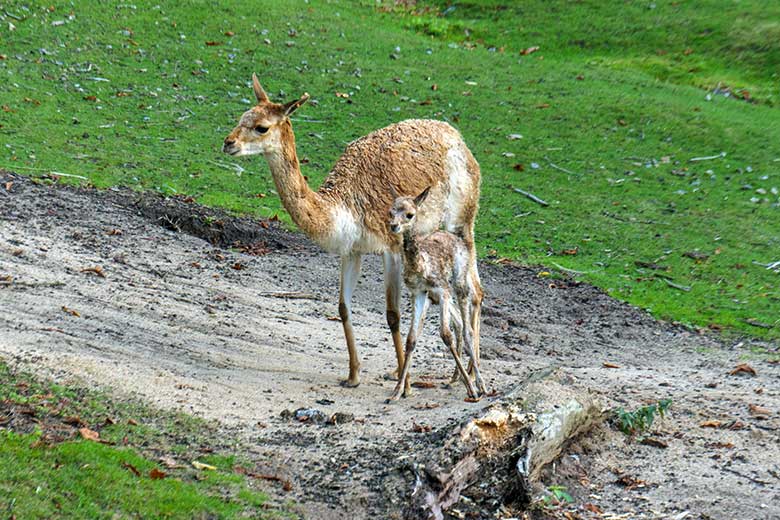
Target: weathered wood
(505, 446)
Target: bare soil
(172, 312)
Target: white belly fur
(348, 236)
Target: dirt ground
(190, 324)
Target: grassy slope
(170, 99)
(51, 472)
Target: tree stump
(504, 447)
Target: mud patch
(186, 324)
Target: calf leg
(418, 316)
(446, 336)
(468, 345)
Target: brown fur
(407, 156)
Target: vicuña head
(404, 210)
(259, 129)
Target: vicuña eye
(409, 215)
(261, 129)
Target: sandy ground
(184, 324)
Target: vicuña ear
(292, 106)
(260, 94)
(393, 192)
(419, 199)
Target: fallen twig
(754, 480)
(531, 196)
(50, 172)
(772, 266)
(10, 283)
(675, 285)
(566, 270)
(291, 295)
(228, 166)
(708, 157)
(552, 165)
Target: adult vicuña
(348, 214)
(436, 266)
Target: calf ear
(260, 94)
(292, 106)
(419, 199)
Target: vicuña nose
(229, 142)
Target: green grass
(83, 479)
(48, 471)
(616, 97)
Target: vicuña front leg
(418, 317)
(350, 272)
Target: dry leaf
(630, 482)
(426, 406)
(743, 368)
(97, 270)
(529, 50)
(202, 466)
(472, 400)
(72, 312)
(169, 462)
(656, 443)
(607, 364)
(710, 424)
(717, 444)
(156, 474)
(132, 422)
(74, 420)
(132, 468)
(518, 167)
(570, 252)
(423, 384)
(434, 87)
(758, 410)
(114, 232)
(420, 428)
(229, 33)
(593, 508)
(213, 44)
(342, 95)
(89, 435)
(333, 318)
(543, 105)
(9, 185)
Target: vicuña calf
(436, 266)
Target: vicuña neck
(411, 249)
(307, 208)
